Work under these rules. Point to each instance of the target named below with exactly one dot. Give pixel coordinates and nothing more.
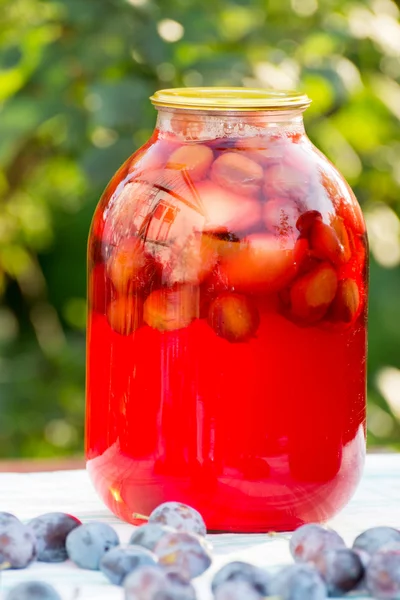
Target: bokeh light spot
(60, 433)
(304, 8)
(388, 381)
(75, 312)
(138, 2)
(166, 71)
(170, 30)
(380, 423)
(103, 138)
(8, 325)
(384, 234)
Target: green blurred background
(75, 76)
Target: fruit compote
(226, 358)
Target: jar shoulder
(230, 185)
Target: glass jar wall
(227, 319)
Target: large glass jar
(227, 319)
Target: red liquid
(241, 393)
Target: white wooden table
(376, 502)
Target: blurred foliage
(75, 76)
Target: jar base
(229, 504)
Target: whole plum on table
(373, 539)
(186, 553)
(33, 590)
(308, 541)
(298, 582)
(236, 571)
(180, 517)
(149, 535)
(50, 531)
(87, 544)
(123, 560)
(153, 583)
(17, 545)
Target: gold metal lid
(230, 98)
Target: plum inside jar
(227, 321)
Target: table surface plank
(41, 465)
(28, 494)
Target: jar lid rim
(230, 98)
